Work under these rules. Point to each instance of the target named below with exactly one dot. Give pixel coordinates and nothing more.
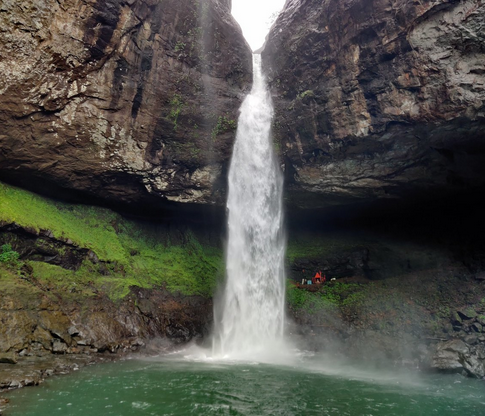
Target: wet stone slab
(32, 371)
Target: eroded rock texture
(120, 99)
(379, 98)
(34, 320)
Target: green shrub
(179, 46)
(176, 106)
(8, 255)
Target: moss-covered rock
(79, 278)
(88, 249)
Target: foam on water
(305, 362)
(249, 316)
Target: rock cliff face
(38, 322)
(120, 99)
(378, 98)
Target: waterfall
(249, 316)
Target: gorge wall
(120, 99)
(136, 101)
(378, 99)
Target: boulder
(8, 358)
(448, 355)
(456, 356)
(16, 325)
(43, 337)
(73, 331)
(59, 347)
(477, 327)
(456, 319)
(467, 313)
(471, 339)
(474, 367)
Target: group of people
(317, 279)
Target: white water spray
(250, 315)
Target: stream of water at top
(249, 316)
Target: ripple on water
(174, 387)
(140, 405)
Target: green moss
(224, 124)
(24, 293)
(64, 281)
(310, 302)
(350, 295)
(131, 253)
(7, 275)
(306, 94)
(176, 106)
(317, 247)
(186, 150)
(86, 226)
(334, 295)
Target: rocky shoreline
(414, 339)
(34, 370)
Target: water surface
(311, 386)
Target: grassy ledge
(130, 253)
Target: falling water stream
(250, 314)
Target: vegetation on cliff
(117, 252)
(332, 295)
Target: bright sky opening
(256, 18)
